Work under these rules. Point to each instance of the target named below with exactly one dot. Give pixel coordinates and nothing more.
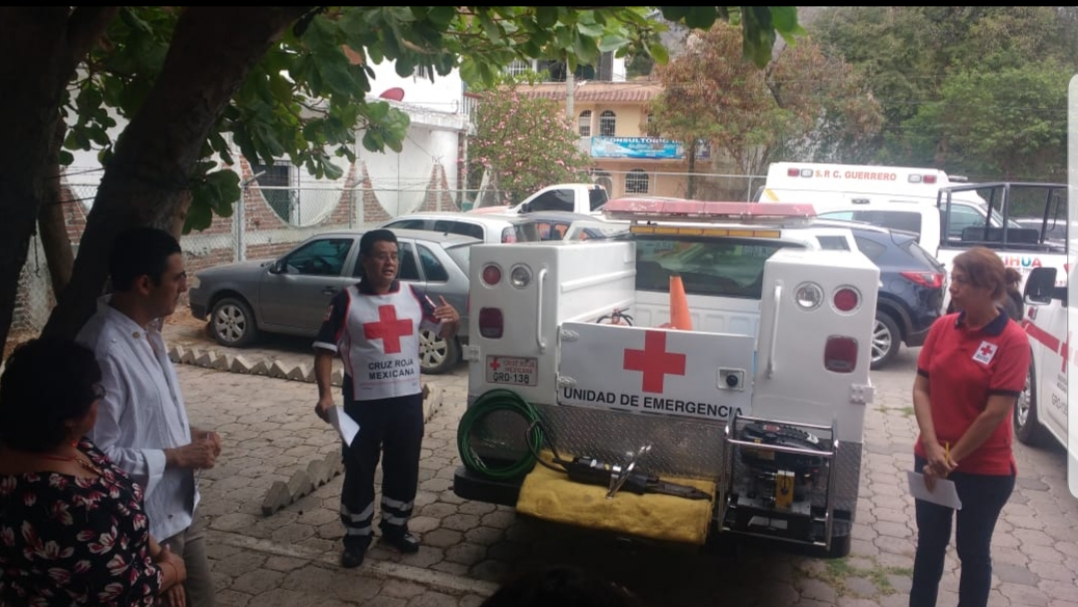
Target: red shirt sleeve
(1009, 373)
(924, 359)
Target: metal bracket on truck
(759, 404)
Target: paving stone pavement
(290, 557)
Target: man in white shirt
(142, 423)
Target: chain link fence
(273, 219)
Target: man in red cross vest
(374, 326)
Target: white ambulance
(1019, 220)
(759, 406)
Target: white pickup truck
(748, 423)
(582, 198)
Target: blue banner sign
(636, 147)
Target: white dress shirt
(142, 414)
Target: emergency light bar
(680, 209)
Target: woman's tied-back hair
(985, 269)
(47, 382)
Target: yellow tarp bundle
(550, 495)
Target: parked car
(565, 225)
(289, 295)
(488, 228)
(912, 284)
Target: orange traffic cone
(679, 305)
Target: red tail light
(846, 299)
(491, 324)
(932, 280)
(492, 274)
(930, 179)
(793, 172)
(840, 354)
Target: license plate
(512, 371)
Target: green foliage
(938, 73)
(307, 98)
(526, 141)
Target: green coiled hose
(492, 402)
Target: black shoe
(401, 540)
(352, 556)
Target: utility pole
(569, 86)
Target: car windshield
(723, 267)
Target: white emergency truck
(1019, 220)
(761, 403)
(1041, 412)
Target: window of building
(608, 122)
(637, 182)
(584, 123)
(517, 67)
(276, 187)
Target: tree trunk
(146, 182)
(50, 220)
(39, 50)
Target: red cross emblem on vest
(654, 361)
(985, 352)
(389, 329)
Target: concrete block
(206, 359)
(175, 354)
(241, 365)
(260, 368)
(298, 373)
(309, 375)
(190, 356)
(224, 362)
(300, 484)
(334, 464)
(337, 378)
(317, 472)
(277, 369)
(277, 497)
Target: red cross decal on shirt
(654, 361)
(986, 350)
(389, 329)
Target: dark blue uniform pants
(982, 497)
(393, 426)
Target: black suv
(911, 291)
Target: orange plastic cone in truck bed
(679, 305)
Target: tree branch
(84, 28)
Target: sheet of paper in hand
(345, 425)
(943, 494)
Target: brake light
(491, 324)
(840, 354)
(793, 172)
(492, 274)
(922, 178)
(932, 280)
(846, 299)
(930, 179)
(509, 235)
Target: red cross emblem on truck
(389, 329)
(654, 361)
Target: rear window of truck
(715, 267)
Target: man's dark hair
(366, 242)
(46, 383)
(140, 252)
(562, 586)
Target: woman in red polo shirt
(970, 372)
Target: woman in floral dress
(72, 526)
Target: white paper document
(345, 425)
(944, 493)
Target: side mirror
(277, 267)
(526, 208)
(1040, 286)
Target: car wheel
(437, 354)
(1026, 427)
(886, 339)
(232, 323)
